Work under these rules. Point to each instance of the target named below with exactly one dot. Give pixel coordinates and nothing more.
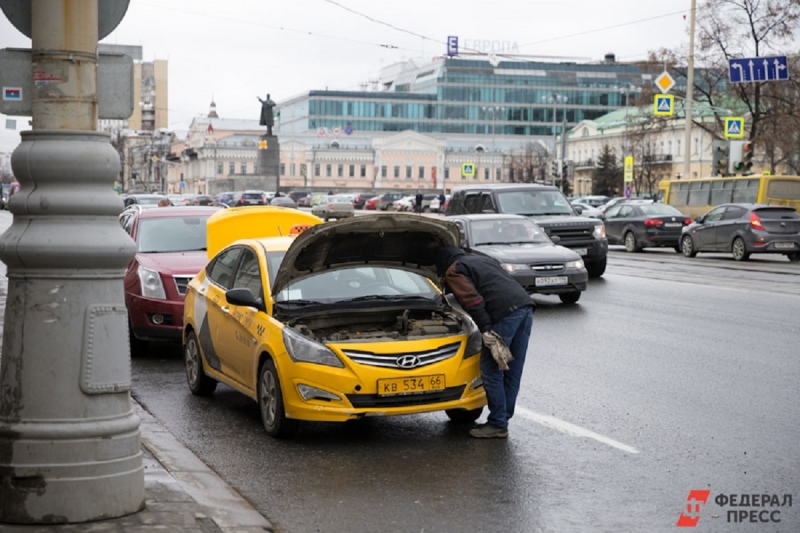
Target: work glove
(499, 350)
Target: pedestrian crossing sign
(468, 170)
(663, 104)
(734, 127)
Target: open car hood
(404, 241)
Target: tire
(138, 347)
(678, 249)
(630, 242)
(570, 297)
(270, 403)
(794, 257)
(463, 416)
(739, 250)
(597, 268)
(199, 383)
(687, 246)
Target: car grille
(390, 360)
(549, 269)
(406, 400)
(182, 282)
(568, 234)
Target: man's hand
(500, 352)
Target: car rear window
(777, 213)
(252, 196)
(172, 234)
(660, 210)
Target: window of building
(243, 168)
(328, 170)
(677, 148)
(231, 167)
(255, 168)
(352, 170)
(498, 174)
(340, 170)
(397, 171)
(293, 168)
(447, 173)
(408, 172)
(363, 171)
(696, 146)
(383, 171)
(316, 169)
(486, 175)
(283, 169)
(421, 172)
(220, 168)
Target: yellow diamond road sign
(262, 144)
(665, 82)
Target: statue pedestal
(269, 160)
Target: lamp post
(493, 110)
(556, 99)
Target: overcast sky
(237, 50)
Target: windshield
(506, 231)
(544, 202)
(660, 209)
(347, 284)
(149, 200)
(172, 234)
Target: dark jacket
(485, 291)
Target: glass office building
(474, 97)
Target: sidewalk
(181, 493)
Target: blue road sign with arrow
(758, 69)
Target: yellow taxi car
(341, 321)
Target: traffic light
(720, 156)
(741, 157)
(555, 172)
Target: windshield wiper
(555, 213)
(298, 302)
(385, 297)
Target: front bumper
(576, 281)
(356, 386)
(142, 312)
(596, 249)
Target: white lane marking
(571, 429)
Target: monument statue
(267, 118)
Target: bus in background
(697, 196)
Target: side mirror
(244, 298)
(578, 209)
(601, 216)
(556, 239)
(700, 219)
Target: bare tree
(529, 165)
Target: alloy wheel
(192, 356)
(268, 398)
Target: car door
(240, 337)
(727, 226)
(213, 334)
(705, 238)
(613, 220)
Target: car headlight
(150, 281)
(600, 231)
(474, 342)
(514, 267)
(304, 349)
(576, 264)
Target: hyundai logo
(408, 361)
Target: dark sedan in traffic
(526, 252)
(644, 225)
(744, 229)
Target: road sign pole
(687, 136)
(69, 440)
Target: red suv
(171, 244)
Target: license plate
(556, 280)
(673, 225)
(580, 251)
(415, 385)
(784, 245)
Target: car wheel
(687, 246)
(463, 416)
(677, 249)
(597, 268)
(138, 346)
(325, 218)
(270, 403)
(199, 383)
(570, 297)
(739, 250)
(794, 257)
(630, 243)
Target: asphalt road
(655, 384)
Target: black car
(526, 252)
(548, 207)
(645, 225)
(744, 229)
(242, 198)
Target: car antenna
(280, 233)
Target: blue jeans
(502, 386)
